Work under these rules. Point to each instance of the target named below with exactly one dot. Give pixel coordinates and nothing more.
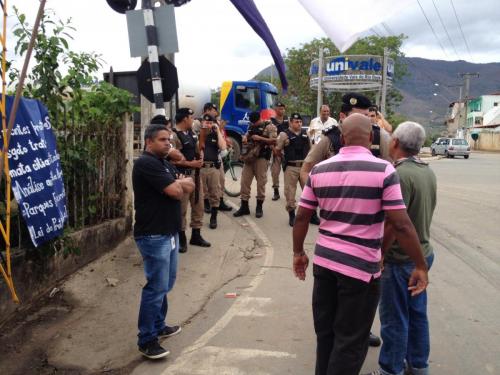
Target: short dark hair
(160, 120)
(182, 113)
(152, 131)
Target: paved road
(268, 328)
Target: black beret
(356, 100)
(207, 117)
(254, 117)
(280, 104)
(295, 116)
(208, 106)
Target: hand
(418, 281)
(254, 137)
(196, 163)
(300, 263)
(276, 153)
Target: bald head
(357, 130)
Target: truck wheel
(236, 148)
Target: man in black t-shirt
(157, 195)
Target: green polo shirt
(418, 185)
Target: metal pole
(320, 82)
(154, 64)
(384, 82)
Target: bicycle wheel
(233, 179)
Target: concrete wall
(488, 141)
(35, 274)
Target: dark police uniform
(276, 163)
(295, 148)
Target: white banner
(344, 21)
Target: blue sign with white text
(35, 170)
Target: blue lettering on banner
(35, 170)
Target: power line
(430, 25)
(445, 29)
(460, 27)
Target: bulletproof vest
(298, 147)
(188, 143)
(265, 151)
(333, 134)
(281, 126)
(375, 147)
(211, 147)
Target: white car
(451, 147)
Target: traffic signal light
(121, 6)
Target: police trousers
(275, 171)
(196, 209)
(292, 178)
(257, 169)
(212, 177)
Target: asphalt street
(268, 329)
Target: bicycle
(232, 172)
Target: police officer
(281, 123)
(185, 140)
(212, 144)
(295, 144)
(261, 136)
(330, 143)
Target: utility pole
(319, 101)
(384, 82)
(153, 56)
(467, 77)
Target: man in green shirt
(403, 317)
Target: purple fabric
(252, 15)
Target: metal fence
(93, 160)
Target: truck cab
(237, 100)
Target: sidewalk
(90, 326)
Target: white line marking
(238, 306)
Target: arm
(174, 190)
(407, 237)
(187, 184)
(175, 156)
(221, 142)
(300, 258)
(268, 141)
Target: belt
(294, 163)
(209, 164)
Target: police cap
(207, 117)
(279, 104)
(182, 113)
(160, 120)
(254, 117)
(295, 116)
(356, 101)
(209, 106)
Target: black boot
(213, 218)
(223, 206)
(314, 219)
(206, 203)
(258, 209)
(276, 195)
(243, 210)
(197, 239)
(182, 242)
(291, 217)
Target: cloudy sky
(216, 44)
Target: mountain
(426, 77)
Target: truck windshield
(270, 99)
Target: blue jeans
(159, 253)
(404, 324)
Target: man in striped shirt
(355, 193)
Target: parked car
(451, 147)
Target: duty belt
(210, 164)
(294, 163)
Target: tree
(302, 99)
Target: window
(478, 120)
(247, 98)
(495, 104)
(270, 100)
(459, 142)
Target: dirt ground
(89, 326)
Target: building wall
(487, 141)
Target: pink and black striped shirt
(352, 189)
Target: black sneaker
(153, 350)
(169, 331)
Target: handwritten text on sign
(35, 169)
